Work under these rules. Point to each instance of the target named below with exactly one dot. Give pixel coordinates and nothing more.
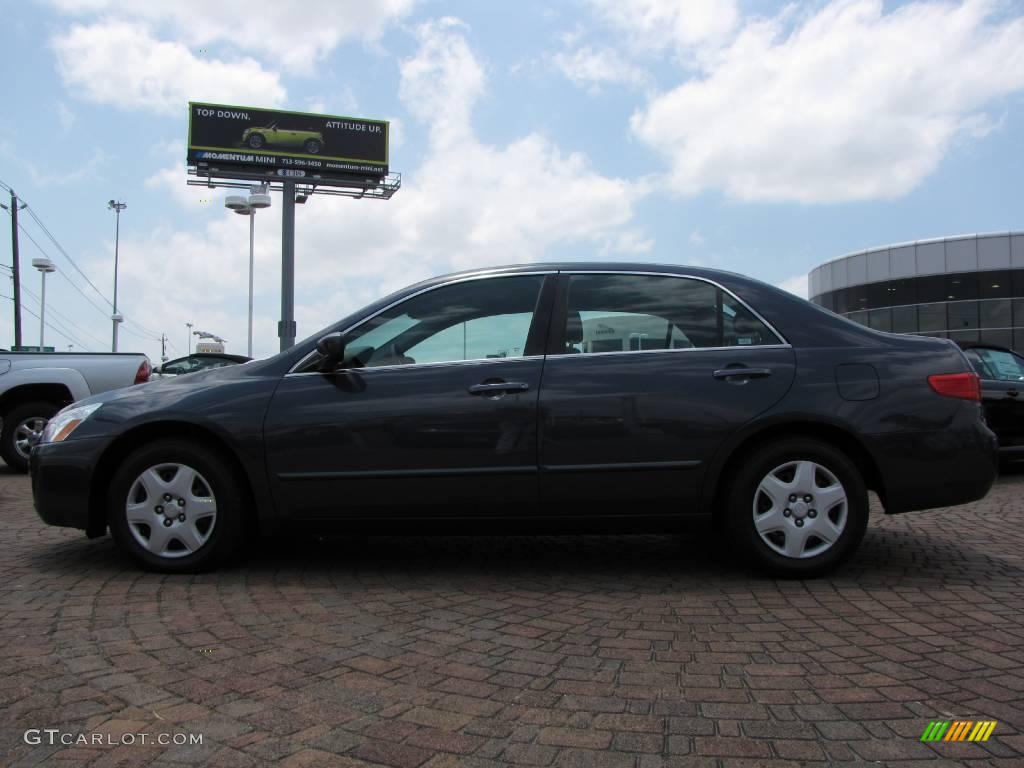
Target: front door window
(473, 320)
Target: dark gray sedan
(571, 397)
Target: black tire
(255, 140)
(16, 416)
(312, 147)
(756, 468)
(223, 536)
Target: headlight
(64, 423)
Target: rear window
(997, 364)
(635, 313)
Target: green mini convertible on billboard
(311, 142)
(225, 141)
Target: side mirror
(332, 349)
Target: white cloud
(172, 181)
(90, 169)
(796, 285)
(296, 36)
(472, 203)
(442, 82)
(123, 64)
(469, 204)
(852, 104)
(591, 67)
(653, 26)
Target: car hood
(174, 385)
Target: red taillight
(142, 375)
(966, 386)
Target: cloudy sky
(755, 136)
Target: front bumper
(941, 468)
(62, 480)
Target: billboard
(276, 143)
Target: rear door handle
(742, 373)
(1011, 392)
(498, 388)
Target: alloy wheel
(27, 434)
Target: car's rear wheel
(312, 147)
(23, 426)
(799, 507)
(255, 140)
(176, 507)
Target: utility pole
(116, 207)
(188, 347)
(163, 347)
(15, 266)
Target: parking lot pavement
(556, 651)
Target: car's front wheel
(23, 427)
(312, 147)
(799, 507)
(176, 507)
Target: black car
(197, 361)
(1002, 394)
(579, 397)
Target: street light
(247, 206)
(44, 265)
(188, 347)
(116, 318)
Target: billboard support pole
(286, 328)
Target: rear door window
(637, 313)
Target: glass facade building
(967, 288)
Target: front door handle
(1011, 392)
(498, 388)
(742, 373)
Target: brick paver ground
(556, 651)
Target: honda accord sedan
(571, 397)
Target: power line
(42, 226)
(60, 248)
(65, 319)
(58, 331)
(149, 331)
(59, 325)
(153, 335)
(61, 273)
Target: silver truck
(34, 386)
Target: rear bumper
(943, 468)
(62, 480)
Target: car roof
(592, 266)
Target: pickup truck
(34, 386)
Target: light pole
(188, 346)
(247, 206)
(116, 318)
(44, 265)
